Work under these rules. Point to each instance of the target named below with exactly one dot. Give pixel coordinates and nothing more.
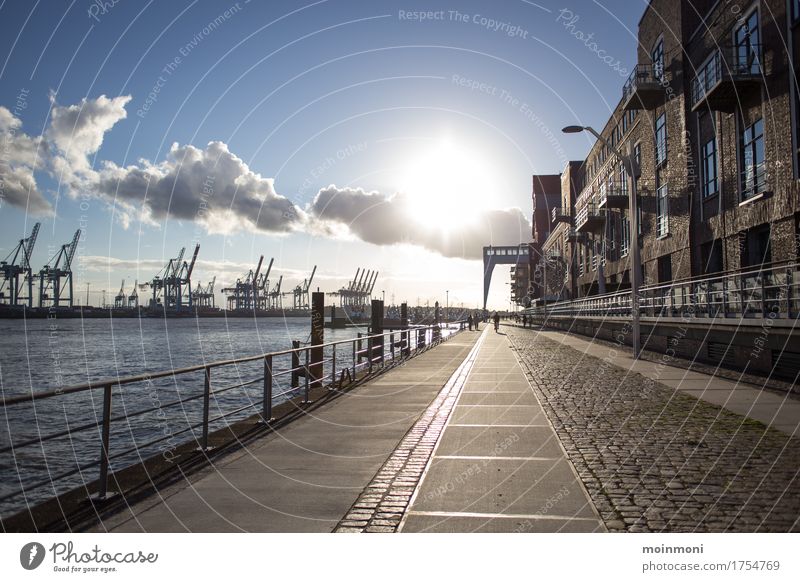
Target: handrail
(102, 383)
(771, 290)
(319, 368)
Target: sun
(447, 185)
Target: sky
(397, 136)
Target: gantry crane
(119, 298)
(55, 278)
(243, 295)
(358, 292)
(204, 296)
(133, 297)
(173, 283)
(300, 297)
(275, 296)
(18, 264)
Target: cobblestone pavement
(656, 460)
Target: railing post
(391, 342)
(356, 347)
(333, 366)
(206, 406)
(102, 491)
(405, 344)
(762, 277)
(307, 376)
(789, 284)
(742, 304)
(724, 297)
(268, 388)
(369, 353)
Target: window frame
(758, 176)
(705, 165)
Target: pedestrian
(469, 321)
(496, 322)
(524, 321)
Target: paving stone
(656, 460)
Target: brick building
(712, 113)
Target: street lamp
(447, 306)
(631, 168)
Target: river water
(38, 355)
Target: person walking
(496, 322)
(469, 321)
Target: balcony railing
(730, 72)
(558, 215)
(613, 195)
(590, 218)
(772, 291)
(645, 88)
(573, 235)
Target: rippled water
(40, 355)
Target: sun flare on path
(447, 185)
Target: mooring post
(376, 325)
(295, 363)
(333, 317)
(267, 404)
(317, 337)
(405, 344)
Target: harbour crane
(55, 278)
(15, 266)
(133, 297)
(119, 298)
(300, 297)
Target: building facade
(712, 114)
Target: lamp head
(573, 129)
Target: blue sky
(359, 95)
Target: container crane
(18, 264)
(55, 278)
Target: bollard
(295, 364)
(317, 338)
(376, 326)
(436, 330)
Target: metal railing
(733, 62)
(642, 76)
(771, 291)
(262, 380)
(589, 211)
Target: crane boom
(311, 278)
(194, 258)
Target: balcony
(732, 73)
(590, 218)
(572, 235)
(613, 195)
(644, 89)
(554, 253)
(558, 215)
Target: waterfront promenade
(513, 432)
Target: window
(662, 211)
(658, 60)
(747, 46)
(664, 266)
(661, 139)
(711, 255)
(795, 10)
(709, 168)
(707, 76)
(754, 169)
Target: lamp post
(447, 306)
(632, 169)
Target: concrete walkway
(499, 466)
(779, 411)
(305, 477)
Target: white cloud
(20, 156)
(211, 186)
(390, 219)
